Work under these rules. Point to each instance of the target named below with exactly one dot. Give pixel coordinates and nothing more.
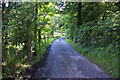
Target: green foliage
(18, 63)
(98, 36)
(99, 30)
(57, 37)
(100, 33)
(18, 26)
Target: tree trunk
(30, 49)
(104, 16)
(118, 32)
(78, 22)
(4, 34)
(35, 30)
(44, 39)
(79, 15)
(52, 32)
(47, 36)
(39, 40)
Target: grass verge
(103, 57)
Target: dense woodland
(28, 29)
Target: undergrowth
(18, 64)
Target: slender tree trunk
(39, 40)
(78, 22)
(119, 46)
(35, 30)
(79, 15)
(30, 49)
(29, 42)
(104, 15)
(72, 33)
(53, 34)
(26, 41)
(3, 39)
(4, 34)
(47, 36)
(44, 39)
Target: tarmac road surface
(64, 62)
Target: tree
(78, 22)
(35, 29)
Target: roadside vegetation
(100, 43)
(95, 33)
(93, 29)
(27, 31)
(17, 64)
(107, 61)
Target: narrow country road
(64, 62)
